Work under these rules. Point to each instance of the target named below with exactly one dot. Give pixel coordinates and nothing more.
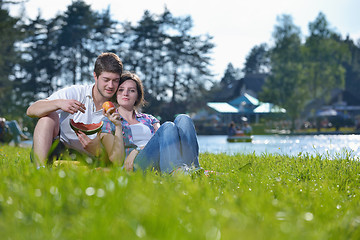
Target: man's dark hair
(108, 62)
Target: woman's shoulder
(146, 116)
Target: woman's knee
(182, 117)
(184, 121)
(168, 130)
(168, 127)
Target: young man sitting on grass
(82, 103)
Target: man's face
(107, 83)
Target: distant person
(325, 123)
(11, 131)
(138, 141)
(318, 124)
(357, 124)
(247, 129)
(5, 133)
(82, 103)
(231, 129)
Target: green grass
(327, 130)
(255, 197)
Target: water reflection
(326, 145)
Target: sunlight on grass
(249, 197)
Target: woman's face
(127, 94)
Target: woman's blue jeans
(173, 145)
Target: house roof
(228, 92)
(345, 96)
(268, 108)
(245, 99)
(254, 82)
(251, 83)
(222, 107)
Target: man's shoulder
(72, 91)
(79, 87)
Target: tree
(39, 58)
(104, 35)
(231, 74)
(172, 63)
(186, 69)
(286, 84)
(257, 61)
(324, 55)
(9, 55)
(145, 53)
(81, 30)
(60, 51)
(353, 67)
(73, 48)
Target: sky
(235, 25)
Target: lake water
(325, 145)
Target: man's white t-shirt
(83, 94)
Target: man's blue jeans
(173, 145)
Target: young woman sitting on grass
(137, 139)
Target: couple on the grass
(129, 137)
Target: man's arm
(43, 107)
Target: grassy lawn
(254, 197)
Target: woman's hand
(114, 142)
(129, 161)
(113, 116)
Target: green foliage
(353, 67)
(231, 74)
(286, 85)
(301, 72)
(39, 61)
(257, 61)
(218, 91)
(60, 51)
(9, 34)
(81, 33)
(172, 62)
(251, 197)
(324, 58)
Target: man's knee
(53, 116)
(50, 122)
